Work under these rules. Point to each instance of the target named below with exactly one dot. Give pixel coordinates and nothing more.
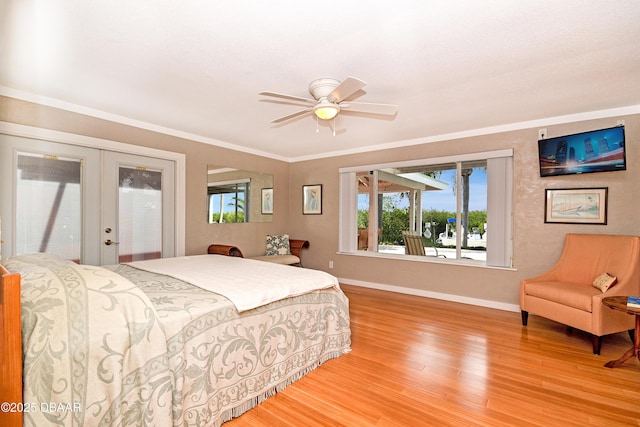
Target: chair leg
(525, 317)
(597, 344)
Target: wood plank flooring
(422, 362)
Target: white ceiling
(194, 67)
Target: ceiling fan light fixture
(326, 110)
(328, 96)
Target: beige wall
(199, 234)
(536, 244)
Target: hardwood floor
(420, 362)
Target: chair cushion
(279, 259)
(576, 296)
(278, 244)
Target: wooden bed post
(10, 350)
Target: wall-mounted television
(594, 151)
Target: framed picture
(312, 199)
(576, 206)
(267, 201)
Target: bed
(153, 343)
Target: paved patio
(447, 252)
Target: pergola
(380, 181)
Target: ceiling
(194, 68)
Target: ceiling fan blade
(369, 107)
(292, 97)
(345, 89)
(292, 115)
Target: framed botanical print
(312, 199)
(267, 201)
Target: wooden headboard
(10, 350)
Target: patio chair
(413, 244)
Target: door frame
(112, 163)
(105, 144)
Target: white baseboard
(436, 295)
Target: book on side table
(633, 302)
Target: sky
(445, 200)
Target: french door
(138, 198)
(84, 204)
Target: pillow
(278, 245)
(604, 282)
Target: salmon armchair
(566, 293)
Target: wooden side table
(225, 250)
(620, 303)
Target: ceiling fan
(329, 99)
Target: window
(228, 201)
(453, 203)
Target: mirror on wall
(236, 195)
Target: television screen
(594, 151)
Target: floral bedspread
(224, 362)
(95, 353)
(119, 346)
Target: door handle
(109, 242)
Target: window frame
(499, 206)
(234, 185)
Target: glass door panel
(49, 205)
(139, 214)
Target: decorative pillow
(604, 282)
(278, 245)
